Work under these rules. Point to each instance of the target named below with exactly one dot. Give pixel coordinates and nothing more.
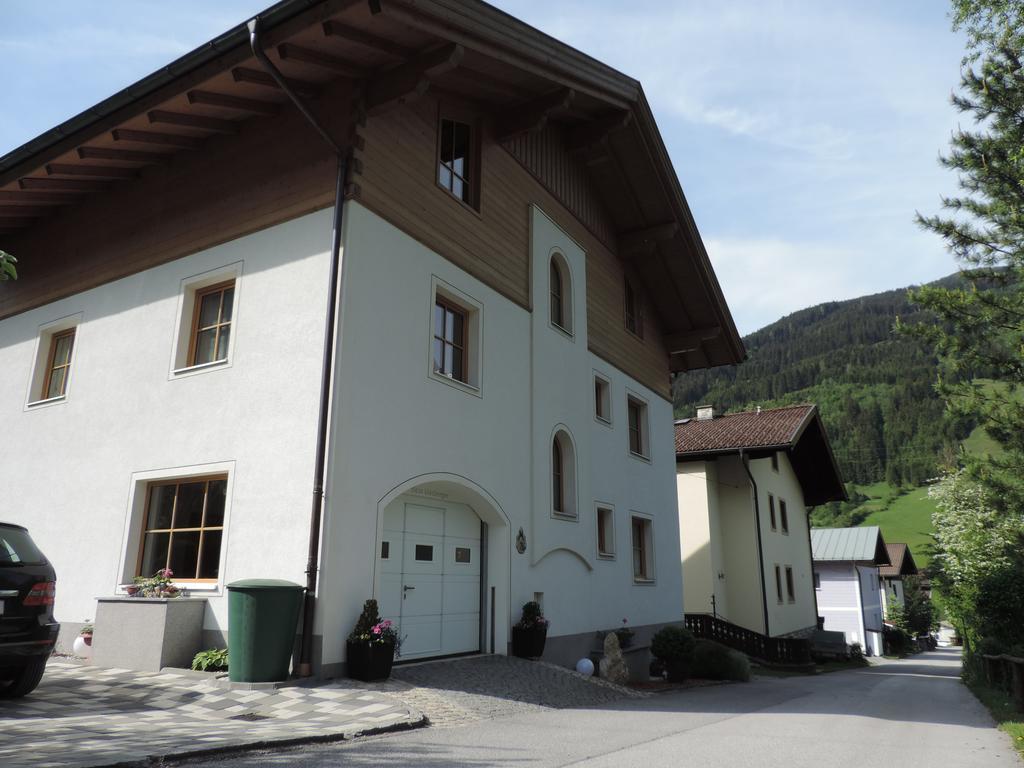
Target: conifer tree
(981, 333)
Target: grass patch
(1003, 712)
(908, 519)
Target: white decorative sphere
(585, 667)
(81, 648)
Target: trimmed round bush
(673, 645)
(714, 661)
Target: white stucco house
(435, 373)
(901, 565)
(745, 482)
(846, 563)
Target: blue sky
(805, 133)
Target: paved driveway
(913, 712)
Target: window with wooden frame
(557, 479)
(183, 528)
(643, 566)
(602, 399)
(636, 411)
(58, 364)
(560, 293)
(563, 476)
(457, 158)
(790, 589)
(450, 340)
(633, 309)
(778, 583)
(605, 532)
(211, 324)
(783, 516)
(771, 512)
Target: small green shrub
(212, 660)
(673, 643)
(714, 661)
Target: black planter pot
(370, 661)
(528, 643)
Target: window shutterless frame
(451, 330)
(458, 155)
(557, 478)
(58, 364)
(632, 309)
(213, 326)
(181, 521)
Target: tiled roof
(750, 429)
(848, 544)
(902, 562)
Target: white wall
(697, 497)
(839, 600)
(71, 469)
(395, 425)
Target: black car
(28, 630)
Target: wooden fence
(777, 650)
(1007, 674)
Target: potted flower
(83, 643)
(674, 647)
(372, 646)
(157, 585)
(530, 633)
(625, 634)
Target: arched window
(560, 288)
(557, 478)
(563, 476)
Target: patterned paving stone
(83, 716)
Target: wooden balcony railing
(775, 650)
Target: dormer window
(456, 160)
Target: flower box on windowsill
(147, 633)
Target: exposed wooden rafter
(596, 132)
(13, 222)
(19, 198)
(641, 241)
(690, 341)
(336, 64)
(159, 139)
(412, 79)
(215, 124)
(63, 185)
(257, 77)
(96, 171)
(125, 155)
(532, 116)
(15, 211)
(366, 39)
(237, 103)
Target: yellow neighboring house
(745, 482)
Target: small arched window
(560, 289)
(563, 476)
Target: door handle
(405, 589)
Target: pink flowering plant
(157, 585)
(532, 617)
(373, 630)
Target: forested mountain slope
(874, 387)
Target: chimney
(705, 413)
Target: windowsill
(643, 582)
(602, 420)
(48, 401)
(201, 368)
(567, 517)
(456, 384)
(640, 457)
(564, 331)
(605, 555)
(634, 334)
(462, 203)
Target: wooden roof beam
(236, 103)
(596, 132)
(336, 64)
(257, 77)
(532, 116)
(641, 241)
(125, 155)
(65, 185)
(412, 79)
(17, 211)
(20, 198)
(366, 39)
(97, 171)
(690, 341)
(159, 139)
(215, 124)
(12, 222)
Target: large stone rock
(613, 665)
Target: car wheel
(26, 679)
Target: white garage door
(430, 577)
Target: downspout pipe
(760, 551)
(327, 366)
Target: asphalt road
(913, 712)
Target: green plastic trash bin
(262, 616)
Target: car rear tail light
(42, 593)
